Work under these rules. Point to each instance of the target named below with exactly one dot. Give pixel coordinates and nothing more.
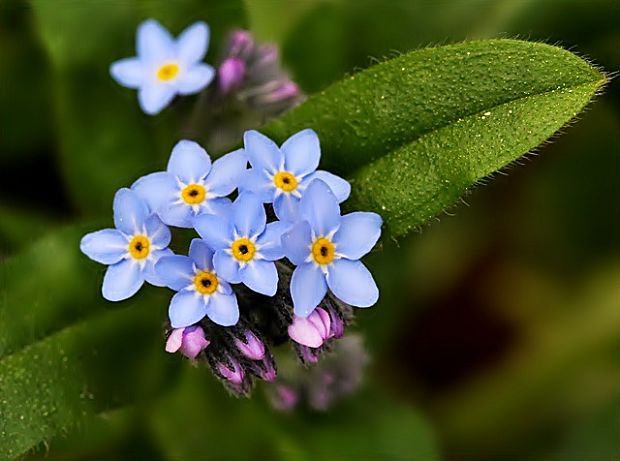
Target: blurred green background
(498, 333)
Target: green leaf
(106, 142)
(64, 354)
(416, 132)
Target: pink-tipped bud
(189, 341)
(265, 369)
(313, 330)
(231, 74)
(282, 91)
(284, 398)
(337, 324)
(250, 346)
(240, 44)
(232, 372)
(308, 355)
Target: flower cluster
(271, 259)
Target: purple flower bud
(308, 354)
(267, 56)
(282, 91)
(313, 330)
(265, 369)
(190, 341)
(284, 397)
(337, 324)
(233, 372)
(240, 44)
(231, 74)
(250, 346)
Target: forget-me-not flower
(281, 175)
(326, 249)
(191, 185)
(245, 246)
(200, 291)
(131, 250)
(165, 67)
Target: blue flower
(191, 185)
(245, 246)
(165, 67)
(200, 291)
(326, 249)
(281, 175)
(131, 250)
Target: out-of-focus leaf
(369, 426)
(106, 141)
(19, 228)
(422, 128)
(25, 118)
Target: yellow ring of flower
(193, 194)
(323, 251)
(206, 282)
(285, 181)
(243, 249)
(139, 247)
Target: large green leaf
(415, 132)
(106, 142)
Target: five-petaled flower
(245, 245)
(165, 67)
(191, 185)
(200, 291)
(326, 249)
(131, 250)
(281, 175)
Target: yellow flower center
(323, 251)
(193, 194)
(243, 249)
(167, 72)
(205, 282)
(285, 181)
(139, 247)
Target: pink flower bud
(233, 372)
(189, 341)
(231, 74)
(313, 330)
(284, 398)
(240, 44)
(250, 346)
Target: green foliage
(415, 132)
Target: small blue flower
(245, 246)
(281, 175)
(165, 67)
(191, 185)
(200, 291)
(326, 249)
(131, 250)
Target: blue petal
(177, 214)
(154, 44)
(189, 161)
(215, 230)
(226, 173)
(357, 234)
(248, 215)
(176, 271)
(270, 241)
(193, 43)
(226, 267)
(262, 152)
(149, 272)
(153, 97)
(194, 79)
(302, 152)
(156, 189)
(122, 280)
(260, 276)
(129, 72)
(308, 288)
(201, 254)
(130, 212)
(340, 187)
(352, 283)
(296, 243)
(186, 308)
(319, 207)
(157, 232)
(258, 182)
(107, 246)
(223, 309)
(286, 207)
(219, 206)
